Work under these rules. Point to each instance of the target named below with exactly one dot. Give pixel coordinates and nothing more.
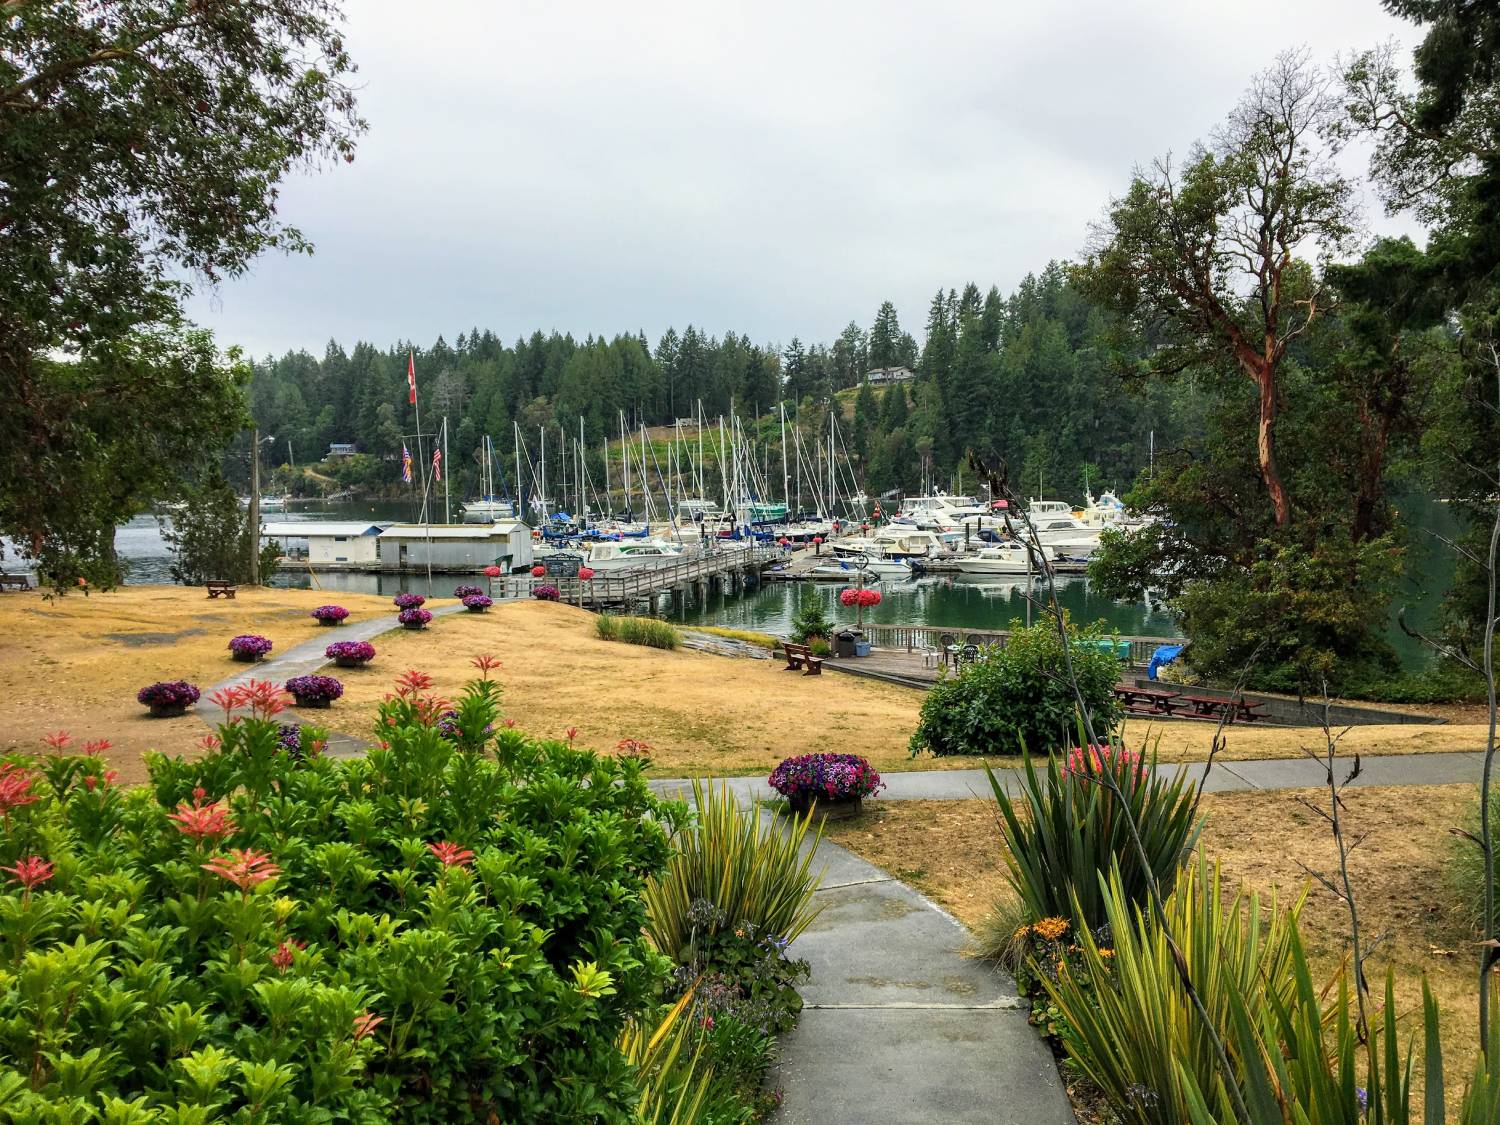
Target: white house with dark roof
(335, 543)
(881, 376)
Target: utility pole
(255, 505)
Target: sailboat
(489, 507)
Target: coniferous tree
(885, 338)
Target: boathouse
(455, 548)
(330, 543)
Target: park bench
(14, 581)
(1147, 701)
(1212, 707)
(800, 656)
(217, 589)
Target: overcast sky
(772, 168)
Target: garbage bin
(843, 643)
(861, 647)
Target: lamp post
(255, 440)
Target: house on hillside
(881, 376)
(342, 449)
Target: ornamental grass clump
(249, 646)
(408, 601)
(1066, 826)
(330, 614)
(647, 631)
(314, 691)
(414, 618)
(350, 654)
(425, 934)
(830, 777)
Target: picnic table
(1147, 701)
(1213, 707)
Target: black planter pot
(246, 657)
(323, 704)
(330, 620)
(828, 808)
(349, 662)
(476, 608)
(168, 710)
(414, 625)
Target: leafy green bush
(1018, 697)
(1066, 827)
(433, 933)
(647, 631)
(811, 620)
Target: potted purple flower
(350, 654)
(169, 698)
(314, 691)
(330, 614)
(408, 601)
(545, 593)
(477, 603)
(462, 592)
(414, 618)
(249, 647)
(833, 784)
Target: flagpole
(447, 507)
(411, 378)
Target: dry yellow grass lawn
(702, 714)
(951, 851)
(1190, 741)
(75, 663)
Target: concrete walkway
(1227, 777)
(898, 1026)
(306, 659)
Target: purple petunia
(314, 689)
(408, 601)
(835, 776)
(462, 592)
(169, 693)
(477, 603)
(545, 593)
(250, 644)
(330, 613)
(350, 650)
(414, 617)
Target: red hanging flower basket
(492, 572)
(538, 571)
(585, 573)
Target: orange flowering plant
(282, 935)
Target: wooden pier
(728, 570)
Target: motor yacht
(1008, 558)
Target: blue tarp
(1164, 654)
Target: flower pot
(829, 808)
(168, 710)
(414, 625)
(330, 621)
(476, 608)
(349, 662)
(303, 701)
(246, 657)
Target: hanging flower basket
(330, 614)
(249, 647)
(492, 572)
(538, 571)
(314, 691)
(168, 699)
(414, 618)
(350, 654)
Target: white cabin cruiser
(1057, 527)
(627, 553)
(1007, 558)
(893, 542)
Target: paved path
(1227, 777)
(304, 660)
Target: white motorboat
(893, 542)
(1007, 558)
(624, 554)
(488, 510)
(1057, 527)
(842, 570)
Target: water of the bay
(945, 601)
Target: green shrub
(819, 646)
(1125, 1019)
(811, 620)
(426, 934)
(1017, 697)
(1065, 827)
(1466, 869)
(646, 631)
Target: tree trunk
(1265, 445)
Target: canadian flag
(411, 376)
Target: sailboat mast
(786, 492)
(543, 456)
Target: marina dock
(730, 570)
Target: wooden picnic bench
(14, 581)
(218, 589)
(1212, 707)
(801, 656)
(1147, 701)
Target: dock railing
(607, 589)
(920, 638)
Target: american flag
(405, 463)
